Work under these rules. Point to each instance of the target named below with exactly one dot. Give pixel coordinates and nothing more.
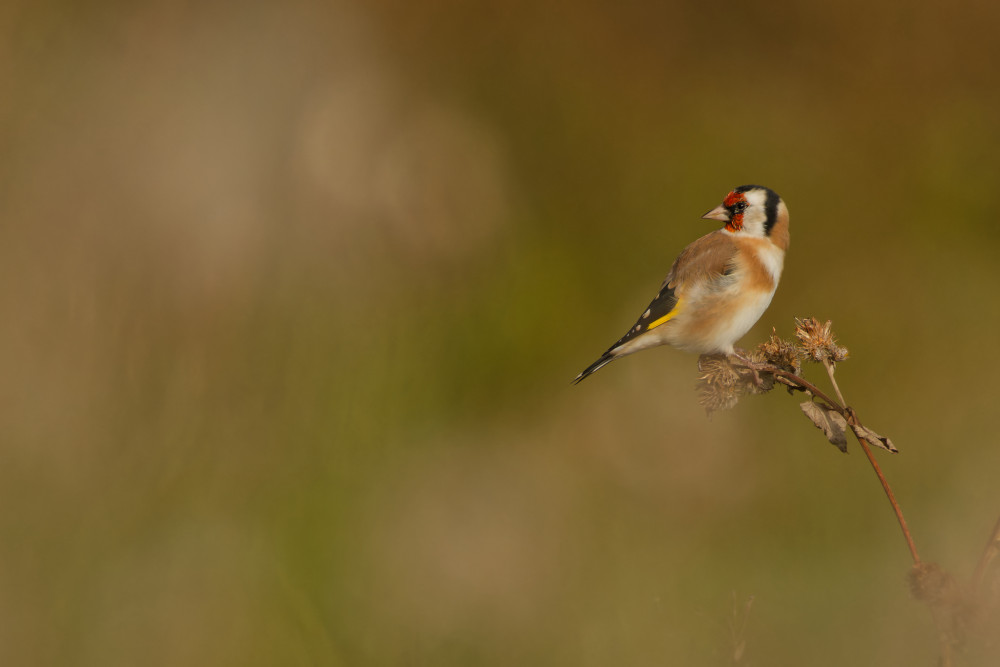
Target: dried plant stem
(801, 383)
(797, 382)
(946, 660)
(829, 371)
(892, 499)
(954, 608)
(992, 547)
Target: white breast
(730, 313)
(773, 259)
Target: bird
(719, 286)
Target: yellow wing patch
(666, 318)
(663, 308)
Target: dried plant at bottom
(958, 611)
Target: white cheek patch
(755, 197)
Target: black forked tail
(605, 358)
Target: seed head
(722, 383)
(817, 342)
(779, 352)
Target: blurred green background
(292, 294)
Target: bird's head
(752, 210)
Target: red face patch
(736, 203)
(732, 198)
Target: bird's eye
(740, 206)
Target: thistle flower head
(817, 342)
(779, 352)
(725, 379)
(722, 383)
(718, 383)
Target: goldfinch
(720, 285)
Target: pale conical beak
(718, 213)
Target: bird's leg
(747, 363)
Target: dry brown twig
(725, 379)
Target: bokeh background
(292, 294)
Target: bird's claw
(751, 366)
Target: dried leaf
(873, 438)
(833, 425)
